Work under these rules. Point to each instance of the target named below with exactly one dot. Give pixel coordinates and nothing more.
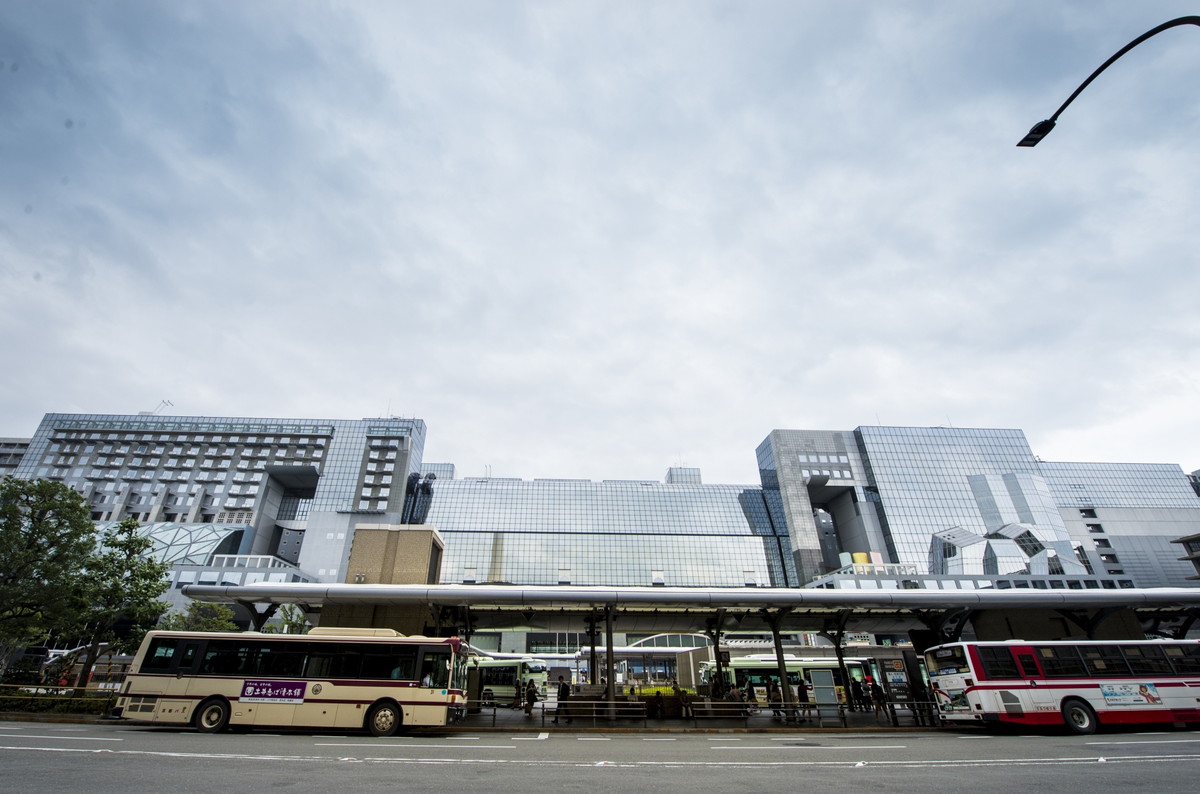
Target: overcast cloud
(600, 239)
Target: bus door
(1030, 697)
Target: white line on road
(541, 737)
(65, 738)
(593, 739)
(1153, 741)
(387, 746)
(819, 747)
(292, 760)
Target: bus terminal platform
(640, 716)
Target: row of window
(1091, 661)
(298, 659)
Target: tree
(291, 621)
(120, 586)
(200, 616)
(46, 537)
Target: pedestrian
(879, 698)
(564, 694)
(685, 703)
(531, 697)
(803, 703)
(775, 699)
(856, 695)
(660, 706)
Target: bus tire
(212, 716)
(384, 718)
(1079, 717)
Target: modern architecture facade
(232, 500)
(971, 507)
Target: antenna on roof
(158, 408)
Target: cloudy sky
(598, 239)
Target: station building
(233, 500)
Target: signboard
(1131, 694)
(273, 691)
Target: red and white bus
(359, 679)
(1079, 684)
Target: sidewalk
(594, 716)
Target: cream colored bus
(359, 679)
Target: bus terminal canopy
(682, 609)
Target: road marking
(67, 738)
(820, 747)
(293, 760)
(389, 746)
(791, 739)
(539, 738)
(1153, 741)
(592, 739)
(650, 739)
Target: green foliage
(121, 583)
(291, 620)
(54, 700)
(200, 616)
(46, 538)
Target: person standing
(857, 697)
(564, 694)
(531, 696)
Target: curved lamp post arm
(1042, 128)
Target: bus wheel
(1079, 716)
(383, 719)
(212, 716)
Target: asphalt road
(51, 757)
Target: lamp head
(1035, 135)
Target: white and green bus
(370, 679)
(499, 679)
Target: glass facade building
(237, 500)
(617, 533)
(937, 501)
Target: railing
(592, 710)
(42, 699)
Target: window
(1146, 659)
(1104, 660)
(998, 663)
(1185, 658)
(1061, 661)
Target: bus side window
(188, 657)
(158, 658)
(1029, 666)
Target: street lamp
(1042, 128)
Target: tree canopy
(120, 588)
(200, 616)
(46, 539)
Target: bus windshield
(948, 660)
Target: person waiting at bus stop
(531, 696)
(564, 694)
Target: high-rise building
(971, 507)
(234, 500)
(239, 500)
